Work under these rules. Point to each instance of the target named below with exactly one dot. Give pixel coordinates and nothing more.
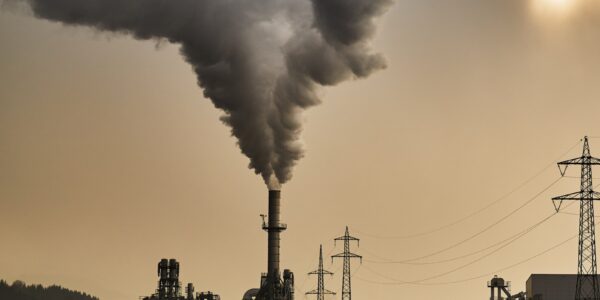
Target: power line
(384, 260)
(398, 282)
(523, 232)
(508, 242)
(505, 196)
(421, 281)
(486, 228)
(505, 243)
(475, 260)
(568, 213)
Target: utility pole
(321, 291)
(587, 282)
(346, 255)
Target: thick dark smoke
(260, 61)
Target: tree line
(21, 291)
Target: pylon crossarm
(328, 292)
(317, 272)
(338, 255)
(574, 161)
(581, 161)
(342, 255)
(578, 196)
(571, 196)
(352, 255)
(316, 292)
(562, 166)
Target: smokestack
(272, 287)
(274, 229)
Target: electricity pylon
(321, 291)
(587, 281)
(346, 255)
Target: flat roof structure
(552, 286)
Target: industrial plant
(498, 286)
(169, 286)
(278, 284)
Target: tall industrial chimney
(272, 285)
(274, 229)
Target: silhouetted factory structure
(551, 286)
(272, 285)
(538, 287)
(498, 286)
(169, 286)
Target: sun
(559, 4)
(554, 7)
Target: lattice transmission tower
(346, 255)
(320, 291)
(587, 281)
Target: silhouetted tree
(21, 291)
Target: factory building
(169, 286)
(551, 286)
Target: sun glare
(554, 7)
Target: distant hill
(20, 291)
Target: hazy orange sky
(111, 159)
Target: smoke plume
(259, 61)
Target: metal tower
(347, 255)
(321, 291)
(587, 281)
